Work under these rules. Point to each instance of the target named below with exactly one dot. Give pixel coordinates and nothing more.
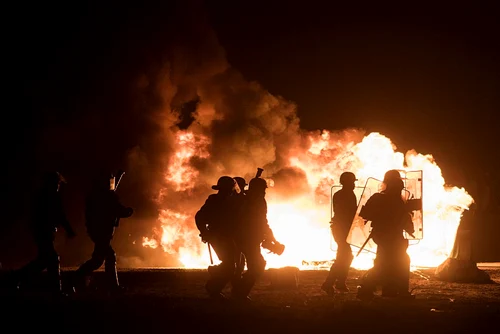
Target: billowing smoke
(214, 122)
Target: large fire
(302, 222)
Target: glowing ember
(302, 222)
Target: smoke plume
(211, 122)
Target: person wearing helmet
(242, 183)
(102, 211)
(344, 208)
(216, 222)
(392, 174)
(389, 218)
(254, 229)
(48, 215)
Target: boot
(327, 286)
(365, 293)
(213, 292)
(341, 287)
(79, 282)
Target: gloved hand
(205, 237)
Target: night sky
(427, 77)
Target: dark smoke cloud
(244, 125)
(247, 127)
(290, 182)
(174, 78)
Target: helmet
(257, 183)
(347, 177)
(104, 179)
(393, 174)
(241, 182)
(224, 183)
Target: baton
(364, 244)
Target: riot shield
(360, 230)
(414, 186)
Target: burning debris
(460, 266)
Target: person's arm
(370, 210)
(202, 217)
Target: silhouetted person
(47, 215)
(344, 208)
(102, 212)
(242, 183)
(390, 217)
(252, 231)
(240, 262)
(216, 221)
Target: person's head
(52, 181)
(392, 174)
(226, 185)
(394, 186)
(348, 180)
(241, 183)
(257, 186)
(103, 180)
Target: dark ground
(173, 301)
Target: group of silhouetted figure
(103, 211)
(390, 215)
(233, 222)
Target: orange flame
(302, 224)
(180, 172)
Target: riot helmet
(347, 178)
(393, 174)
(104, 179)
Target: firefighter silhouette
(216, 221)
(252, 232)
